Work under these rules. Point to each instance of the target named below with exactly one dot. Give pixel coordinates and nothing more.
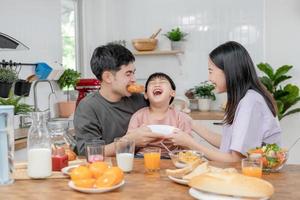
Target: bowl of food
(273, 157)
(181, 158)
(146, 44)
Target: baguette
(179, 173)
(235, 184)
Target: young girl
(250, 115)
(160, 92)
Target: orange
(85, 183)
(112, 176)
(98, 168)
(81, 172)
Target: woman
(250, 115)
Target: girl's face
(159, 91)
(217, 77)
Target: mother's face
(217, 77)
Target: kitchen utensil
(146, 44)
(153, 36)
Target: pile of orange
(96, 175)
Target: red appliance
(84, 86)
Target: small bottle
(59, 159)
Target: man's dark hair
(161, 75)
(110, 57)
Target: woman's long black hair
(240, 75)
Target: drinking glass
(124, 153)
(252, 167)
(95, 150)
(152, 159)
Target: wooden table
(141, 186)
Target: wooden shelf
(166, 52)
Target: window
(68, 27)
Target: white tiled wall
(208, 23)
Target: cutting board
(20, 172)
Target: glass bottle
(6, 144)
(39, 147)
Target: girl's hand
(180, 138)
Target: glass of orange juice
(252, 167)
(152, 159)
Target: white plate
(179, 180)
(67, 170)
(197, 194)
(94, 190)
(163, 129)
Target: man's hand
(143, 136)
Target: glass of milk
(124, 153)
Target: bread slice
(200, 169)
(179, 173)
(235, 184)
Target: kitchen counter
(141, 186)
(207, 115)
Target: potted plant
(285, 95)
(7, 77)
(190, 94)
(19, 108)
(67, 80)
(204, 93)
(177, 38)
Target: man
(105, 114)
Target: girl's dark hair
(240, 75)
(161, 75)
(110, 57)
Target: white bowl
(162, 129)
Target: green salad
(271, 154)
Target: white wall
(282, 47)
(209, 23)
(36, 23)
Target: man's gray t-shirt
(96, 117)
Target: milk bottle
(39, 147)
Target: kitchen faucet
(35, 94)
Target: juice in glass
(252, 167)
(152, 159)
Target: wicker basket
(146, 44)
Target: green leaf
(267, 69)
(291, 112)
(281, 79)
(279, 94)
(267, 83)
(281, 71)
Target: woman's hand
(178, 137)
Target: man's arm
(142, 137)
(86, 126)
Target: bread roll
(135, 88)
(226, 183)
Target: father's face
(123, 78)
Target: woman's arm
(183, 139)
(211, 137)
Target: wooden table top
(138, 185)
